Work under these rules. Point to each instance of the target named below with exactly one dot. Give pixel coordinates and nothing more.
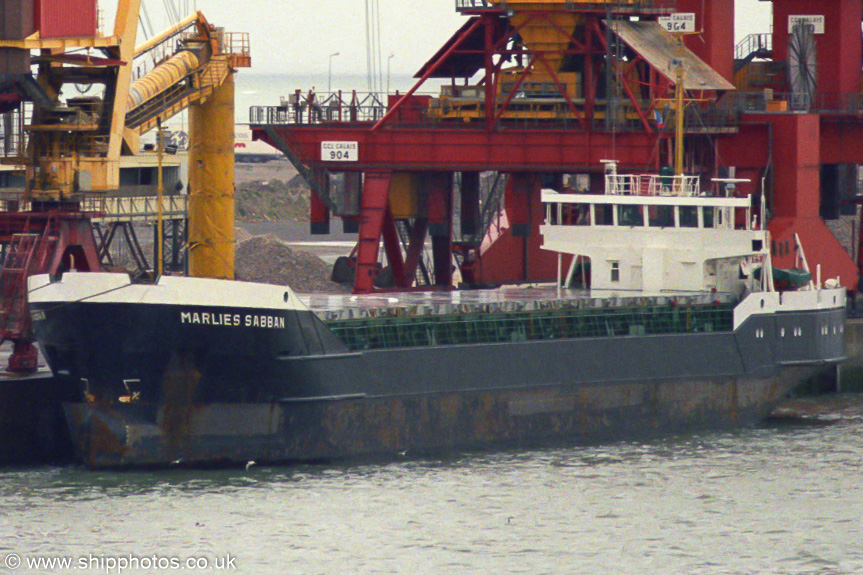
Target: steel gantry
(537, 90)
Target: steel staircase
(28, 253)
(751, 47)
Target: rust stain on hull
(373, 426)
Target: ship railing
(508, 324)
(754, 46)
(237, 45)
(613, 6)
(470, 5)
(146, 61)
(652, 185)
(644, 211)
(141, 208)
(16, 201)
(464, 113)
(12, 201)
(768, 100)
(313, 108)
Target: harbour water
(776, 499)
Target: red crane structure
(541, 92)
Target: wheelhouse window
(630, 216)
(604, 215)
(661, 216)
(688, 217)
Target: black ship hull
(207, 385)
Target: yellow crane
(199, 77)
(74, 146)
(71, 148)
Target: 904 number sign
(340, 151)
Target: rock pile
(267, 259)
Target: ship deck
(507, 314)
(507, 299)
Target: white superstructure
(656, 233)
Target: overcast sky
(297, 36)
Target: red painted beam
(440, 225)
(428, 73)
(796, 156)
(842, 140)
(748, 148)
(415, 248)
(319, 213)
(715, 44)
(455, 148)
(515, 258)
(372, 211)
(394, 250)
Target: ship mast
(678, 117)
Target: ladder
(27, 254)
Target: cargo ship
(678, 330)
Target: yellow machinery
(543, 83)
(211, 185)
(163, 77)
(199, 78)
(75, 146)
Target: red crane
(539, 91)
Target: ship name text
(232, 319)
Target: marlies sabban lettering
(232, 319)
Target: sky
(298, 36)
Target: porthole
(782, 332)
(286, 297)
(762, 304)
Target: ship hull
(349, 427)
(273, 385)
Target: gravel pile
(241, 235)
(272, 200)
(267, 259)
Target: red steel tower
(540, 92)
